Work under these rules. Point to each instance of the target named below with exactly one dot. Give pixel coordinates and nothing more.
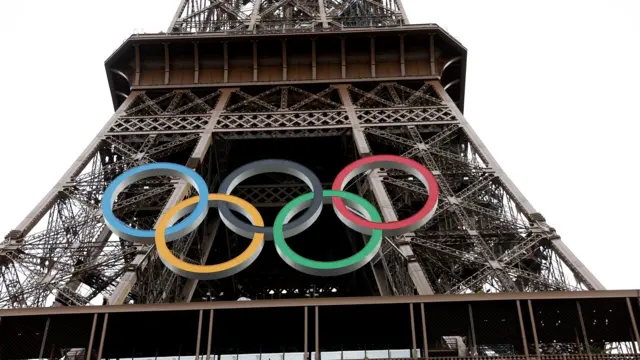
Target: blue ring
(130, 176)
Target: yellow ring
(209, 272)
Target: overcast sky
(552, 89)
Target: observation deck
(514, 326)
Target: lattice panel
(393, 94)
(272, 195)
(280, 16)
(283, 99)
(283, 120)
(182, 102)
(159, 123)
(405, 115)
(281, 134)
(213, 16)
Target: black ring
(266, 166)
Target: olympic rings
(393, 162)
(266, 166)
(142, 172)
(360, 215)
(210, 272)
(327, 268)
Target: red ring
(432, 200)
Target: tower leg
(146, 253)
(87, 236)
(418, 277)
(575, 265)
(49, 200)
(190, 286)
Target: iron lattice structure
(264, 16)
(231, 73)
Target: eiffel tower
(319, 82)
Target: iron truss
(485, 236)
(278, 16)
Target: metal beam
(76, 168)
(176, 16)
(280, 82)
(403, 68)
(284, 59)
(634, 325)
(382, 198)
(329, 301)
(343, 57)
(255, 15)
(146, 254)
(255, 60)
(432, 54)
(323, 14)
(405, 18)
(196, 63)
(167, 63)
(210, 335)
(136, 80)
(373, 56)
(190, 286)
(576, 266)
(225, 55)
(207, 137)
(314, 60)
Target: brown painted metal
(138, 70)
(255, 60)
(533, 328)
(44, 337)
(103, 335)
(223, 60)
(317, 332)
(432, 54)
(324, 302)
(281, 82)
(372, 56)
(425, 343)
(205, 140)
(306, 333)
(199, 338)
(343, 57)
(284, 60)
(403, 68)
(167, 64)
(414, 350)
(634, 323)
(264, 73)
(210, 334)
(472, 327)
(196, 63)
(583, 329)
(225, 46)
(92, 336)
(314, 60)
(522, 330)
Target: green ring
(327, 268)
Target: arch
(118, 72)
(454, 82)
(124, 96)
(449, 63)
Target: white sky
(552, 89)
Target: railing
(589, 325)
(287, 30)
